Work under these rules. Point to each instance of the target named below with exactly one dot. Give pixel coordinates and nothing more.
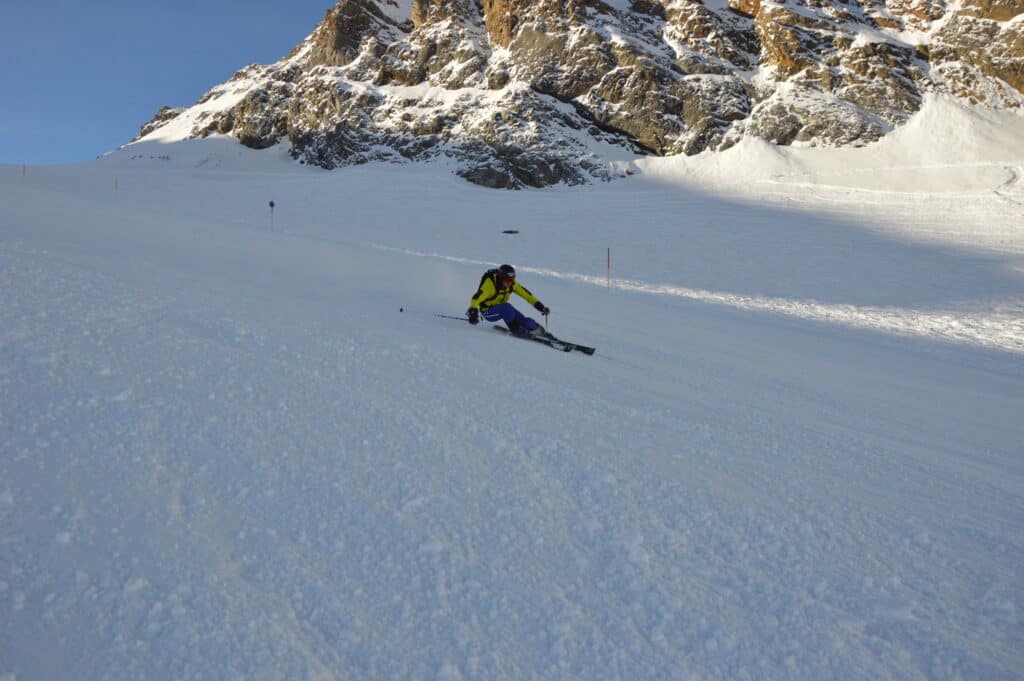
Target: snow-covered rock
(531, 92)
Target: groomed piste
(236, 445)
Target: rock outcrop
(533, 92)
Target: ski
(569, 345)
(551, 341)
(585, 349)
(547, 339)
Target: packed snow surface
(237, 444)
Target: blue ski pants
(515, 320)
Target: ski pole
(448, 316)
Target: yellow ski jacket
(492, 293)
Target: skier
(491, 301)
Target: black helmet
(506, 271)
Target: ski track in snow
(225, 453)
(1001, 328)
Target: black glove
(474, 315)
(539, 306)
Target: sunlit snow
(239, 444)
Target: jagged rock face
(339, 37)
(980, 53)
(911, 14)
(165, 115)
(522, 92)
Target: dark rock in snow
(522, 92)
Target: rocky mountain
(537, 92)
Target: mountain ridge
(533, 93)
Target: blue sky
(80, 78)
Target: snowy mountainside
(533, 93)
(240, 445)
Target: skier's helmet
(506, 274)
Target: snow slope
(237, 447)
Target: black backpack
(493, 276)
